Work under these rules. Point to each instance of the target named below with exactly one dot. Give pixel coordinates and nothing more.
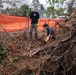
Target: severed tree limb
(55, 44)
(44, 47)
(64, 53)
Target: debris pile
(25, 57)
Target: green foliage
(42, 7)
(57, 1)
(44, 73)
(3, 48)
(53, 1)
(50, 9)
(58, 10)
(24, 10)
(2, 53)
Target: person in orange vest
(50, 33)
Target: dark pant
(53, 35)
(33, 26)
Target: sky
(26, 1)
(41, 1)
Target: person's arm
(38, 16)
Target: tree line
(55, 7)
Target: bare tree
(36, 4)
(70, 5)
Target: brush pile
(25, 57)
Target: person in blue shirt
(50, 32)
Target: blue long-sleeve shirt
(49, 30)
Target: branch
(7, 31)
(71, 65)
(64, 53)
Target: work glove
(46, 40)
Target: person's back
(49, 30)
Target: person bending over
(50, 33)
